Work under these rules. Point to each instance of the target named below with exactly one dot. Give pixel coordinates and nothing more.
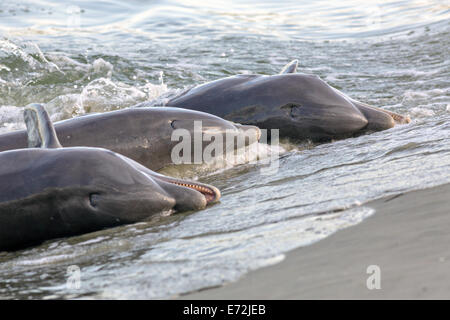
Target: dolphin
(143, 134)
(48, 192)
(301, 106)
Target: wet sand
(408, 237)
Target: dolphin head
(171, 118)
(323, 112)
(308, 108)
(165, 127)
(304, 106)
(115, 186)
(208, 124)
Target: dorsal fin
(40, 130)
(291, 67)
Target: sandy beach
(407, 238)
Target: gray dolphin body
(301, 106)
(142, 134)
(53, 192)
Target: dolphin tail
(40, 130)
(291, 67)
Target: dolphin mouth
(398, 118)
(210, 193)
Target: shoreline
(407, 238)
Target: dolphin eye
(293, 109)
(172, 124)
(93, 199)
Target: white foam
(11, 118)
(44, 260)
(102, 95)
(421, 112)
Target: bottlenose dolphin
(141, 133)
(48, 192)
(301, 106)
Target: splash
(102, 95)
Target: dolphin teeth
(209, 194)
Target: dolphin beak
(211, 193)
(398, 118)
(375, 112)
(380, 119)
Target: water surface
(78, 57)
